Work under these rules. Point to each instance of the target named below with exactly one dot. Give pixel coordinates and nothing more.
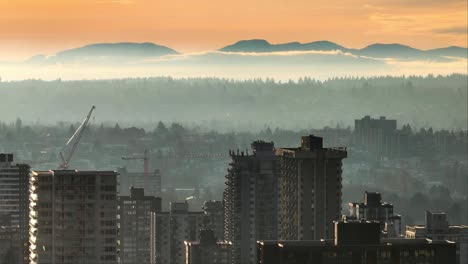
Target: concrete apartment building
(373, 209)
(251, 200)
(437, 228)
(376, 135)
(14, 202)
(310, 195)
(133, 223)
(73, 217)
(170, 229)
(208, 250)
(357, 242)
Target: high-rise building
(309, 190)
(73, 217)
(208, 250)
(357, 242)
(170, 229)
(151, 182)
(133, 222)
(251, 201)
(14, 208)
(373, 209)
(214, 218)
(437, 228)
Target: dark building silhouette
(133, 222)
(14, 203)
(208, 250)
(376, 135)
(214, 217)
(309, 190)
(10, 245)
(357, 242)
(73, 217)
(373, 209)
(251, 200)
(170, 229)
(437, 228)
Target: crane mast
(74, 140)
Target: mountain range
(375, 50)
(123, 51)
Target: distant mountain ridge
(377, 50)
(119, 49)
(261, 45)
(121, 52)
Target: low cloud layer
(238, 65)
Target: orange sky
(29, 27)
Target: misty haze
(233, 132)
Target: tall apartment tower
(133, 222)
(250, 200)
(170, 229)
(14, 202)
(309, 190)
(73, 217)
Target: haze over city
(233, 132)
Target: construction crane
(145, 159)
(74, 140)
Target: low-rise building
(373, 209)
(208, 250)
(357, 242)
(437, 228)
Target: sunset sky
(29, 27)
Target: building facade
(14, 208)
(73, 217)
(309, 190)
(357, 242)
(437, 228)
(10, 245)
(133, 223)
(251, 200)
(373, 209)
(208, 250)
(377, 136)
(170, 229)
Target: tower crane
(74, 140)
(145, 159)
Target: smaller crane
(145, 159)
(75, 138)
